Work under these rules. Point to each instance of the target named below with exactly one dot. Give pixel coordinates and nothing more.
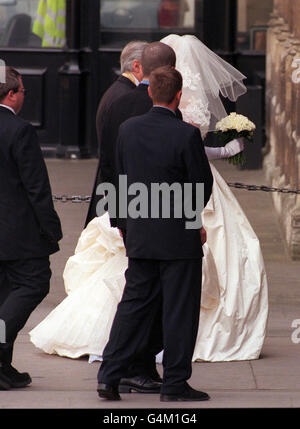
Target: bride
(234, 301)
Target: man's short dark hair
(165, 83)
(157, 54)
(11, 82)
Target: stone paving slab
(273, 381)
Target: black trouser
(178, 282)
(144, 362)
(23, 285)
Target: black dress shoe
(140, 384)
(106, 391)
(4, 381)
(16, 378)
(189, 394)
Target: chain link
(73, 199)
(263, 188)
(87, 199)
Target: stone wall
(282, 162)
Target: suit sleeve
(34, 176)
(197, 164)
(106, 149)
(119, 154)
(110, 130)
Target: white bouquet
(232, 127)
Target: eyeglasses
(25, 91)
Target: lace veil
(205, 77)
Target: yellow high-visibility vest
(50, 23)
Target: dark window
(253, 17)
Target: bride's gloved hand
(234, 147)
(230, 149)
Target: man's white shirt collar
(9, 108)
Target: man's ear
(137, 69)
(178, 96)
(135, 65)
(149, 92)
(11, 94)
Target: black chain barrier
(87, 199)
(263, 188)
(73, 199)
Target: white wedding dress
(234, 303)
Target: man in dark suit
(134, 103)
(142, 373)
(131, 76)
(29, 226)
(165, 258)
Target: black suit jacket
(159, 148)
(119, 88)
(135, 103)
(29, 225)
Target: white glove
(234, 147)
(230, 149)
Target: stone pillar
(282, 163)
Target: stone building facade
(282, 162)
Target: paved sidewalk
(271, 381)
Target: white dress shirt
(9, 108)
